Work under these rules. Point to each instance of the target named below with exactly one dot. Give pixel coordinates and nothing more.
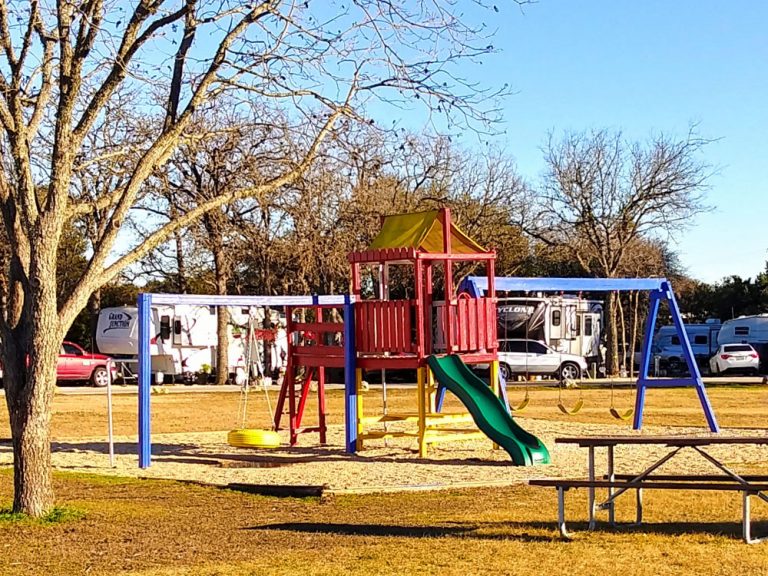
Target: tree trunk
(222, 346)
(612, 340)
(221, 270)
(94, 307)
(181, 266)
(30, 378)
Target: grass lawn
(151, 528)
(77, 416)
(168, 528)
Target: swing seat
(251, 438)
(520, 407)
(570, 411)
(626, 415)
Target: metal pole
(145, 368)
(350, 388)
(109, 415)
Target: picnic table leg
(611, 478)
(639, 503)
(745, 519)
(591, 489)
(561, 513)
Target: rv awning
(477, 285)
(422, 231)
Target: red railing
(384, 326)
(473, 322)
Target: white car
(520, 356)
(735, 358)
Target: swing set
(659, 289)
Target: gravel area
(206, 457)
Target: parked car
(77, 365)
(735, 358)
(521, 356)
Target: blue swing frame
(660, 290)
(145, 302)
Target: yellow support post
(432, 391)
(360, 415)
(420, 381)
(494, 376)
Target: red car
(77, 365)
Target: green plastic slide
(488, 411)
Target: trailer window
(700, 339)
(556, 316)
(741, 330)
(165, 327)
(588, 326)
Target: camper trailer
(748, 330)
(183, 338)
(568, 324)
(668, 348)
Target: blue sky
(645, 67)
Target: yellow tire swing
(252, 437)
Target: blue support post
(350, 384)
(645, 360)
(439, 398)
(145, 369)
(503, 392)
(650, 328)
(644, 381)
(693, 367)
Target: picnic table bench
(618, 484)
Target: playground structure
(369, 330)
(402, 333)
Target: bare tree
(227, 152)
(62, 66)
(602, 194)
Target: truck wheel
(505, 371)
(100, 377)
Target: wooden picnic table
(616, 485)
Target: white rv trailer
(183, 338)
(703, 338)
(747, 330)
(569, 324)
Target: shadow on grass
(129, 448)
(521, 531)
(193, 454)
(579, 529)
(301, 455)
(392, 530)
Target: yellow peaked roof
(424, 232)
